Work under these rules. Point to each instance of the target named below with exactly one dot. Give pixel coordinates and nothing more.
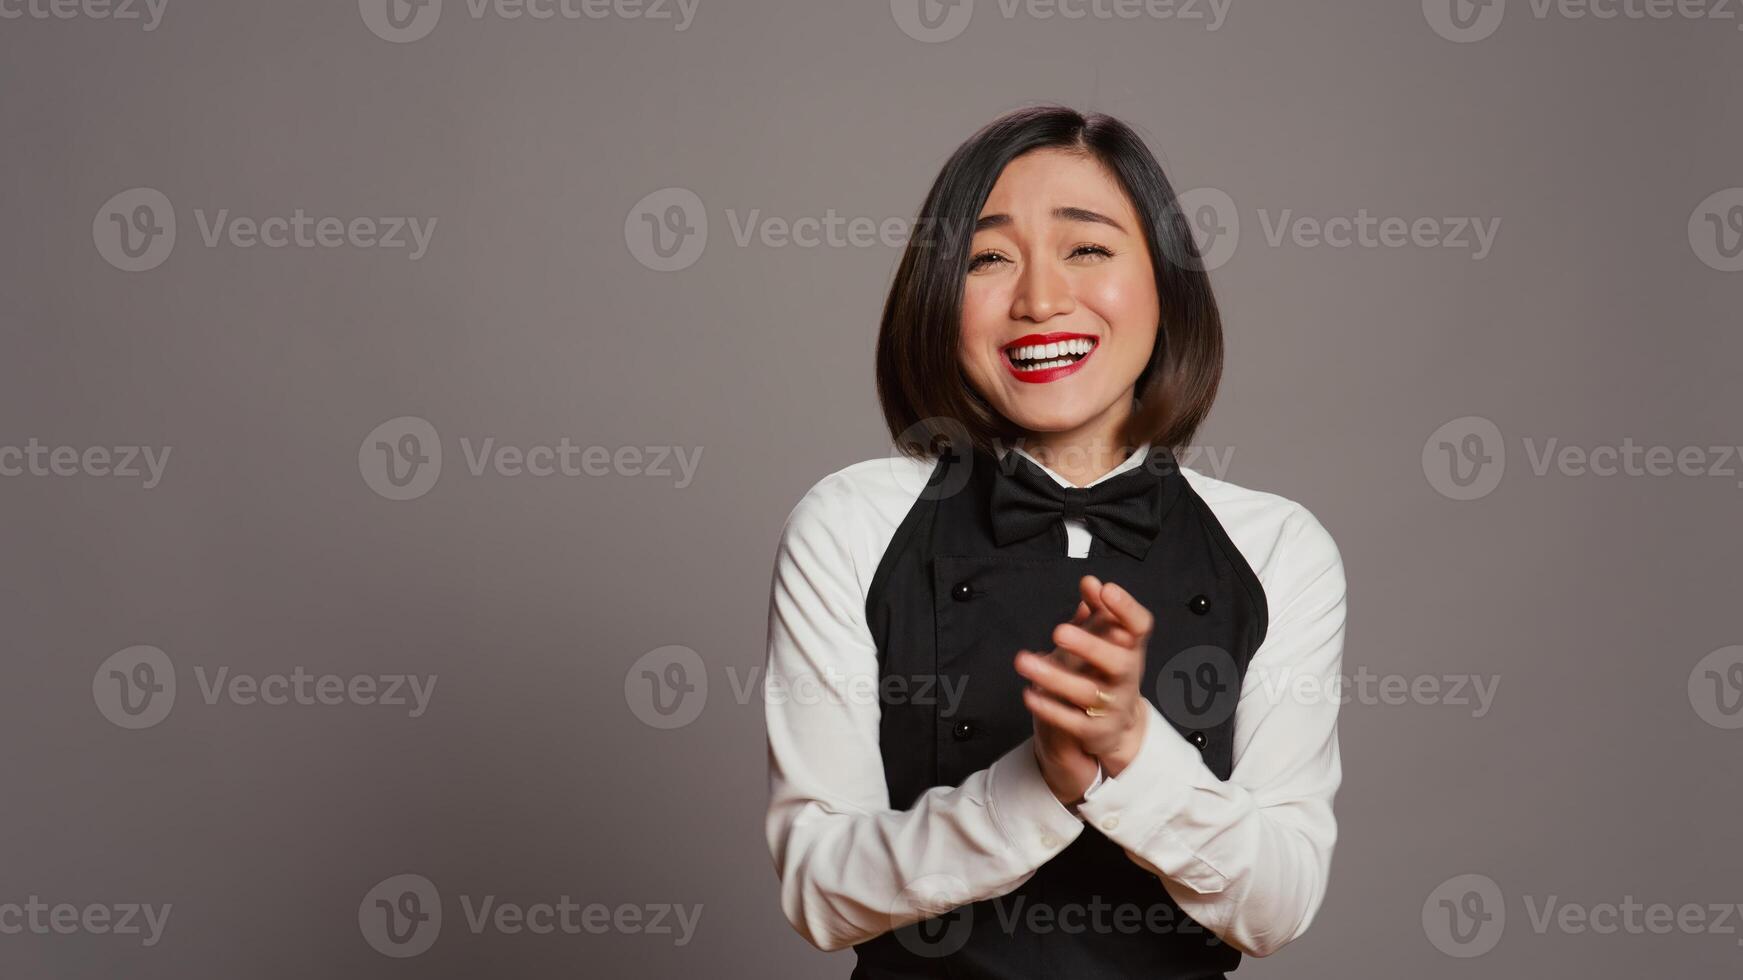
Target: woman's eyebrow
(1067, 213)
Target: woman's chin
(1050, 419)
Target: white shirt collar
(1133, 461)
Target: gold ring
(1103, 696)
(1095, 712)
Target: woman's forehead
(1038, 188)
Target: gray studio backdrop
(399, 404)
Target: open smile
(1042, 357)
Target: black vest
(948, 609)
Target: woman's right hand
(1066, 767)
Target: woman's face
(1059, 311)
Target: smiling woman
(1073, 224)
(1137, 801)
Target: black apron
(949, 608)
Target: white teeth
(1051, 355)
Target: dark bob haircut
(926, 398)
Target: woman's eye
(988, 258)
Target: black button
(962, 592)
(1199, 604)
(1197, 738)
(962, 731)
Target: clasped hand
(1100, 650)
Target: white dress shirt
(1248, 858)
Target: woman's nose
(1043, 292)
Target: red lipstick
(1037, 367)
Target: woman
(1152, 796)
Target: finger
(1068, 686)
(1050, 711)
(1090, 588)
(1105, 626)
(1103, 621)
(1065, 659)
(1128, 611)
(1118, 664)
(1087, 618)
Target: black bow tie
(1125, 511)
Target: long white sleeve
(844, 857)
(1249, 858)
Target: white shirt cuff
(1033, 820)
(1137, 808)
(1100, 777)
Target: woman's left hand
(1105, 654)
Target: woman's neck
(1084, 454)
